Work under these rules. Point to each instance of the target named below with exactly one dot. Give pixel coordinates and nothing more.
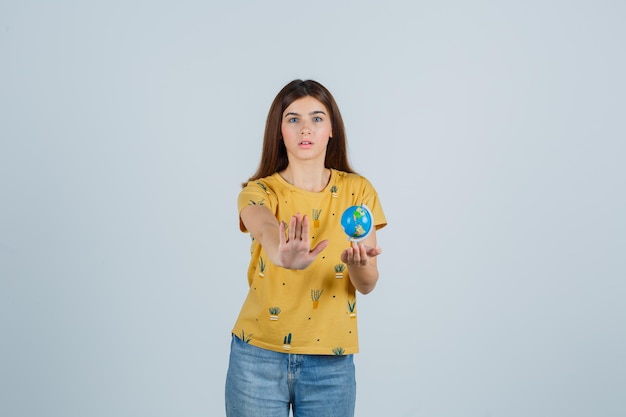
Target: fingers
(295, 229)
(281, 233)
(292, 229)
(359, 254)
(320, 247)
(371, 252)
(304, 228)
(299, 227)
(355, 255)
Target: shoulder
(352, 180)
(262, 191)
(266, 185)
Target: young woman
(293, 342)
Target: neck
(307, 178)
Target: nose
(306, 127)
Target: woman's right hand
(286, 246)
(294, 247)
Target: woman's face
(306, 129)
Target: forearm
(363, 277)
(268, 237)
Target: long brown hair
(274, 155)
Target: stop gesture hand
(294, 248)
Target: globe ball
(357, 222)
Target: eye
(317, 119)
(292, 120)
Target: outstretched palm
(294, 248)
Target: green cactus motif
(339, 351)
(257, 203)
(351, 308)
(333, 191)
(287, 342)
(339, 268)
(260, 184)
(316, 217)
(245, 338)
(274, 312)
(262, 266)
(315, 296)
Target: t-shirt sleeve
(255, 193)
(371, 200)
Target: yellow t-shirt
(312, 311)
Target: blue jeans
(264, 383)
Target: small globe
(357, 222)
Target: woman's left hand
(358, 254)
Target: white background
(493, 131)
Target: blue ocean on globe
(357, 222)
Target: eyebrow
(310, 114)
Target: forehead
(306, 105)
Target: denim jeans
(264, 383)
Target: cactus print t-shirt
(311, 311)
